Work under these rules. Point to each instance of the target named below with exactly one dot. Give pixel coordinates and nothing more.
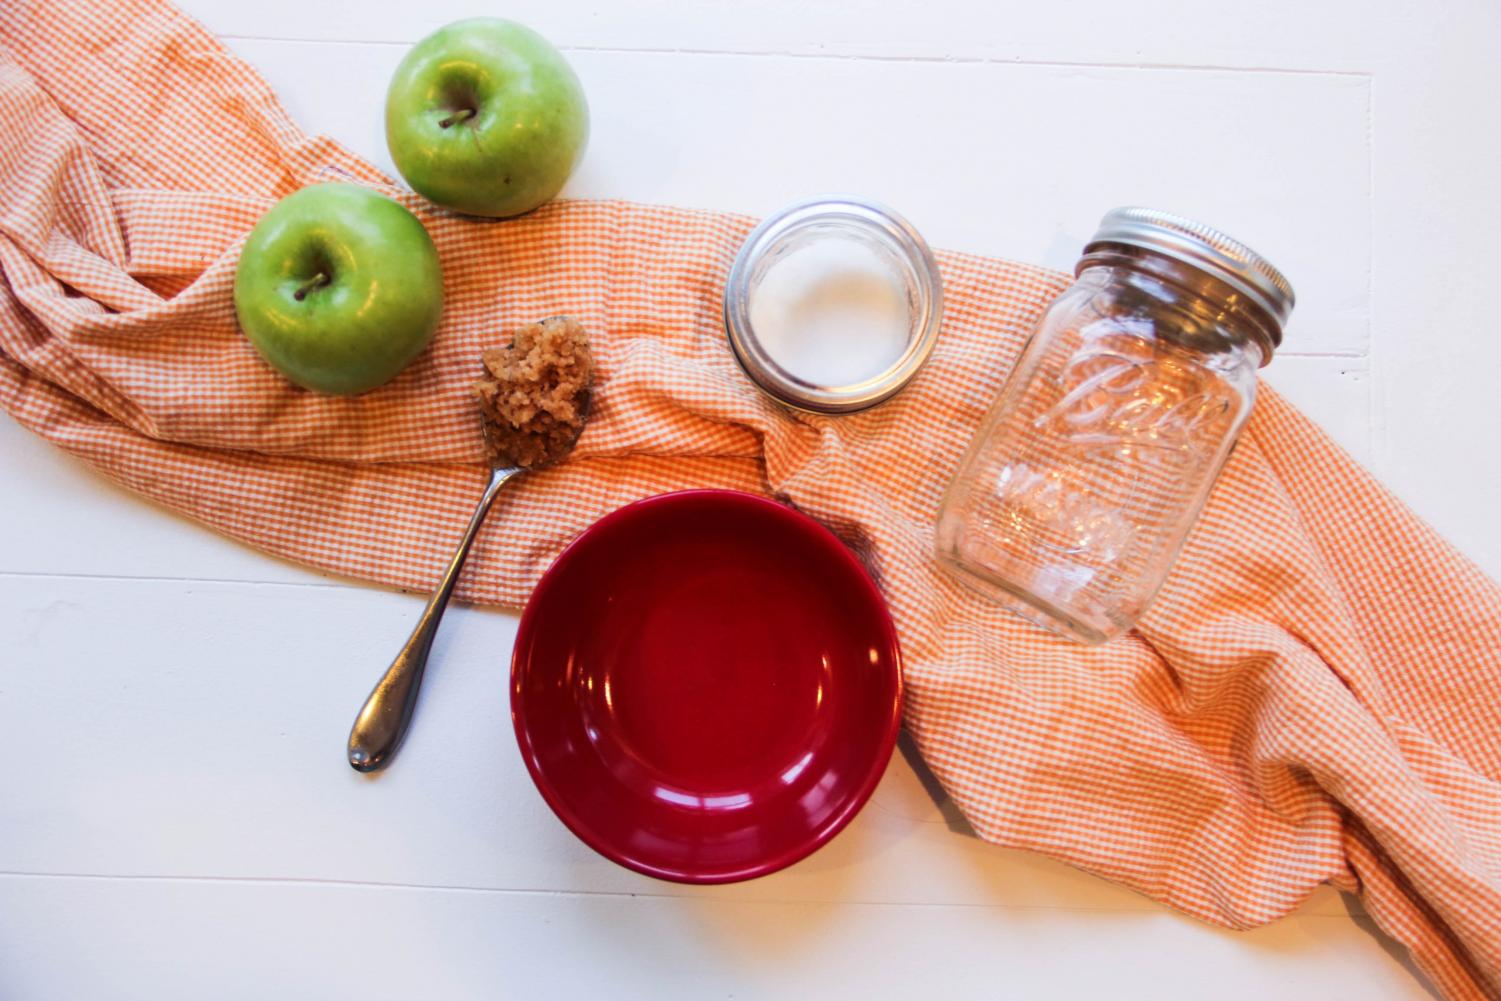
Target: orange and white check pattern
(1316, 696)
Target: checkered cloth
(1315, 697)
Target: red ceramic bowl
(706, 686)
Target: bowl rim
(884, 747)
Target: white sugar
(832, 312)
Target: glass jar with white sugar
(833, 305)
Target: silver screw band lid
(1210, 250)
(851, 218)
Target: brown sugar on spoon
(534, 397)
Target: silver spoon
(383, 720)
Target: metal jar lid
(1212, 251)
(855, 219)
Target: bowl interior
(706, 686)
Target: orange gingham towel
(1316, 696)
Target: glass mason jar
(1081, 486)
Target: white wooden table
(176, 819)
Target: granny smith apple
(485, 117)
(339, 288)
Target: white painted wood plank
(987, 158)
(61, 940)
(1437, 215)
(171, 729)
(1336, 392)
(59, 516)
(1275, 33)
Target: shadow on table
(1389, 945)
(952, 818)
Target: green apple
(485, 117)
(339, 288)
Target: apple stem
(316, 282)
(456, 118)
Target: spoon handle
(383, 720)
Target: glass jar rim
(921, 276)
